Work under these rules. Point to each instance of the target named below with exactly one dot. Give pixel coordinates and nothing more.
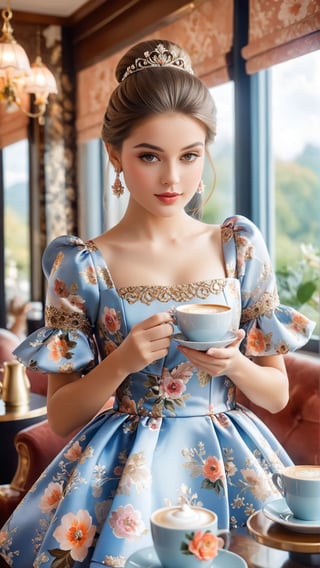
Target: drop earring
(201, 187)
(117, 187)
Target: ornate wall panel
(279, 31)
(207, 34)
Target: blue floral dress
(174, 433)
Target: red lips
(168, 196)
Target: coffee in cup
(300, 486)
(186, 537)
(204, 322)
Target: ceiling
(63, 8)
(95, 29)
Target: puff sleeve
(66, 343)
(271, 328)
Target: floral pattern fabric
(174, 434)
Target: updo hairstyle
(155, 90)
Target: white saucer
(147, 558)
(279, 512)
(203, 345)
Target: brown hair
(155, 90)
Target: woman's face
(162, 162)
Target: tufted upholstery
(36, 446)
(297, 426)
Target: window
(295, 91)
(221, 204)
(16, 220)
(99, 209)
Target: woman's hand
(262, 379)
(147, 342)
(217, 360)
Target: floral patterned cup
(186, 537)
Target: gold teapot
(15, 386)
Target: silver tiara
(159, 57)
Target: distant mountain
(310, 158)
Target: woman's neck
(142, 225)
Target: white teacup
(186, 537)
(204, 322)
(300, 486)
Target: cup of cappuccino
(300, 486)
(186, 537)
(204, 322)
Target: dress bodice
(87, 317)
(168, 386)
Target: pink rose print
(126, 523)
(203, 545)
(59, 347)
(299, 322)
(60, 288)
(75, 535)
(171, 387)
(3, 537)
(213, 472)
(90, 275)
(212, 469)
(73, 453)
(51, 497)
(111, 320)
(169, 390)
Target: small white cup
(300, 486)
(204, 322)
(187, 537)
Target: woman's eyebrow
(153, 147)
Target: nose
(170, 175)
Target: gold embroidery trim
(178, 293)
(56, 318)
(266, 304)
(90, 245)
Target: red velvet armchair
(297, 426)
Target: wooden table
(11, 421)
(265, 544)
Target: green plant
(299, 283)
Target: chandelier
(17, 76)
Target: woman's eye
(190, 157)
(148, 157)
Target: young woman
(175, 432)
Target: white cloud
(295, 105)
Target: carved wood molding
(100, 28)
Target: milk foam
(184, 517)
(304, 472)
(204, 309)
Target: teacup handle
(277, 481)
(172, 312)
(224, 538)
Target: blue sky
(295, 88)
